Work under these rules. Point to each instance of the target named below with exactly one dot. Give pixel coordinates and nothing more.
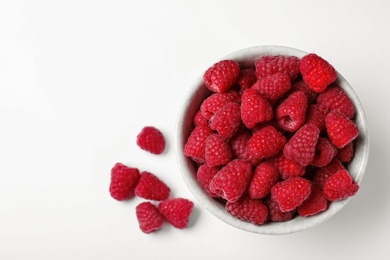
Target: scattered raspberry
(325, 152)
(315, 204)
(264, 177)
(151, 139)
(204, 175)
(149, 218)
(340, 186)
(341, 130)
(227, 120)
(176, 211)
(269, 65)
(248, 209)
(246, 79)
(238, 144)
(317, 72)
(216, 101)
(316, 116)
(300, 85)
(302, 145)
(123, 181)
(346, 153)
(151, 187)
(273, 87)
(334, 98)
(287, 168)
(291, 114)
(291, 193)
(199, 119)
(323, 173)
(218, 151)
(274, 212)
(221, 76)
(254, 108)
(196, 143)
(231, 181)
(266, 142)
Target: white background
(79, 79)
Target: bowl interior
(198, 92)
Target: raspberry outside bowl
(198, 92)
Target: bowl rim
(198, 92)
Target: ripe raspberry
(334, 98)
(176, 211)
(196, 143)
(199, 119)
(340, 186)
(218, 151)
(273, 87)
(246, 79)
(317, 72)
(221, 76)
(269, 65)
(264, 177)
(238, 144)
(323, 173)
(151, 187)
(151, 139)
(274, 212)
(123, 181)
(341, 130)
(346, 153)
(315, 204)
(325, 152)
(149, 218)
(231, 181)
(291, 113)
(204, 175)
(248, 209)
(266, 142)
(291, 193)
(300, 85)
(287, 168)
(216, 101)
(302, 145)
(227, 120)
(316, 116)
(254, 108)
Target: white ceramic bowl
(198, 92)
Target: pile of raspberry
(127, 182)
(273, 141)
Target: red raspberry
(238, 144)
(340, 186)
(287, 168)
(151, 139)
(325, 152)
(291, 113)
(264, 177)
(317, 72)
(218, 151)
(323, 173)
(149, 218)
(269, 65)
(273, 87)
(334, 98)
(123, 181)
(346, 153)
(341, 130)
(199, 119)
(176, 211)
(151, 187)
(291, 193)
(246, 79)
(302, 145)
(266, 142)
(300, 85)
(227, 120)
(221, 76)
(204, 175)
(316, 116)
(274, 212)
(232, 180)
(248, 209)
(196, 143)
(216, 101)
(315, 204)
(254, 108)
